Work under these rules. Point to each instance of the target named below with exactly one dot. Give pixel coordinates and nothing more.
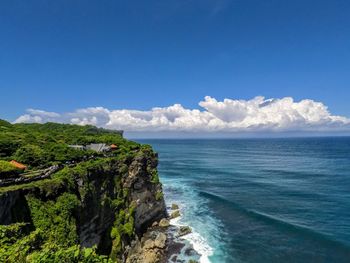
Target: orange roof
(18, 165)
(113, 146)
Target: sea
(260, 200)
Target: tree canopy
(41, 145)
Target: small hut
(18, 165)
(113, 147)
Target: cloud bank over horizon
(228, 116)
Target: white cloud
(43, 113)
(255, 115)
(38, 116)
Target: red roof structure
(18, 165)
(113, 146)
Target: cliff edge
(96, 208)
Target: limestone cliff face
(108, 203)
(10, 202)
(145, 191)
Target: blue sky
(60, 56)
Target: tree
(7, 147)
(30, 154)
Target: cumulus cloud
(255, 115)
(38, 116)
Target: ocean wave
(197, 241)
(277, 221)
(194, 214)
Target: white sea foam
(194, 214)
(197, 241)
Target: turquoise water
(261, 200)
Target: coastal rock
(184, 230)
(175, 214)
(160, 240)
(177, 247)
(149, 244)
(151, 249)
(150, 257)
(174, 207)
(164, 222)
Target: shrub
(154, 176)
(159, 195)
(30, 154)
(73, 254)
(8, 170)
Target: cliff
(95, 210)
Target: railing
(31, 176)
(45, 173)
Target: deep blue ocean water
(261, 200)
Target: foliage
(123, 227)
(30, 154)
(7, 146)
(7, 169)
(41, 145)
(57, 213)
(54, 238)
(154, 176)
(159, 195)
(10, 233)
(15, 247)
(4, 124)
(27, 248)
(73, 254)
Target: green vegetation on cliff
(7, 169)
(86, 211)
(52, 235)
(41, 145)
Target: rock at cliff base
(152, 250)
(164, 222)
(160, 240)
(150, 257)
(184, 230)
(175, 214)
(149, 244)
(174, 207)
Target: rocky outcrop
(174, 207)
(175, 214)
(110, 203)
(184, 230)
(151, 248)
